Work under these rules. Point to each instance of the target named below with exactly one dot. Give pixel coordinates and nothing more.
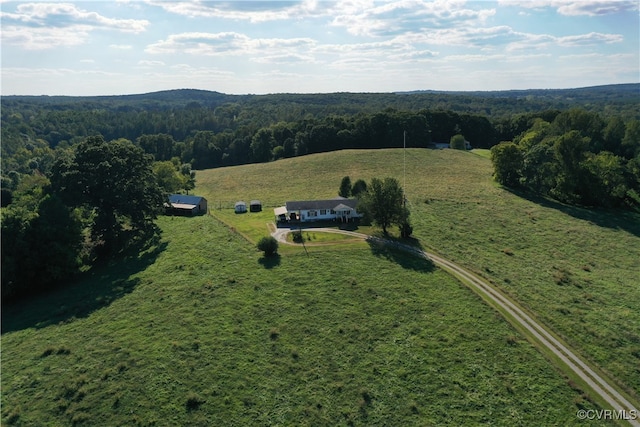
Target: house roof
(255, 202)
(282, 210)
(185, 199)
(342, 207)
(241, 203)
(322, 204)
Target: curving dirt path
(515, 315)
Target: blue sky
(238, 47)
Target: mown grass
(199, 332)
(576, 269)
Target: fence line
(230, 204)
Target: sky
(121, 47)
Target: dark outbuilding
(181, 204)
(255, 206)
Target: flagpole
(404, 171)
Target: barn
(184, 204)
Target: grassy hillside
(576, 269)
(202, 331)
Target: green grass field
(203, 331)
(577, 270)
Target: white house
(442, 145)
(340, 209)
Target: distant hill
(608, 99)
(628, 90)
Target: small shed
(240, 207)
(255, 206)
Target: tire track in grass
(621, 407)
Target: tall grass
(199, 332)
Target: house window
(333, 212)
(312, 214)
(323, 211)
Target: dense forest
(72, 165)
(577, 158)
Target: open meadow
(201, 330)
(575, 269)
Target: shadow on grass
(615, 219)
(296, 225)
(405, 252)
(270, 262)
(90, 291)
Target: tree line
(87, 183)
(99, 200)
(31, 125)
(577, 158)
(223, 136)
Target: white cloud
(577, 7)
(408, 15)
(254, 12)
(26, 73)
(539, 41)
(589, 39)
(47, 25)
(358, 17)
(121, 46)
(284, 59)
(498, 36)
(45, 38)
(63, 15)
(147, 63)
(229, 44)
(464, 36)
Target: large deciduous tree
(41, 242)
(115, 182)
(168, 176)
(383, 202)
(507, 161)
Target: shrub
(274, 334)
(269, 245)
(406, 229)
(193, 401)
(297, 237)
(457, 142)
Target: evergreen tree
(345, 187)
